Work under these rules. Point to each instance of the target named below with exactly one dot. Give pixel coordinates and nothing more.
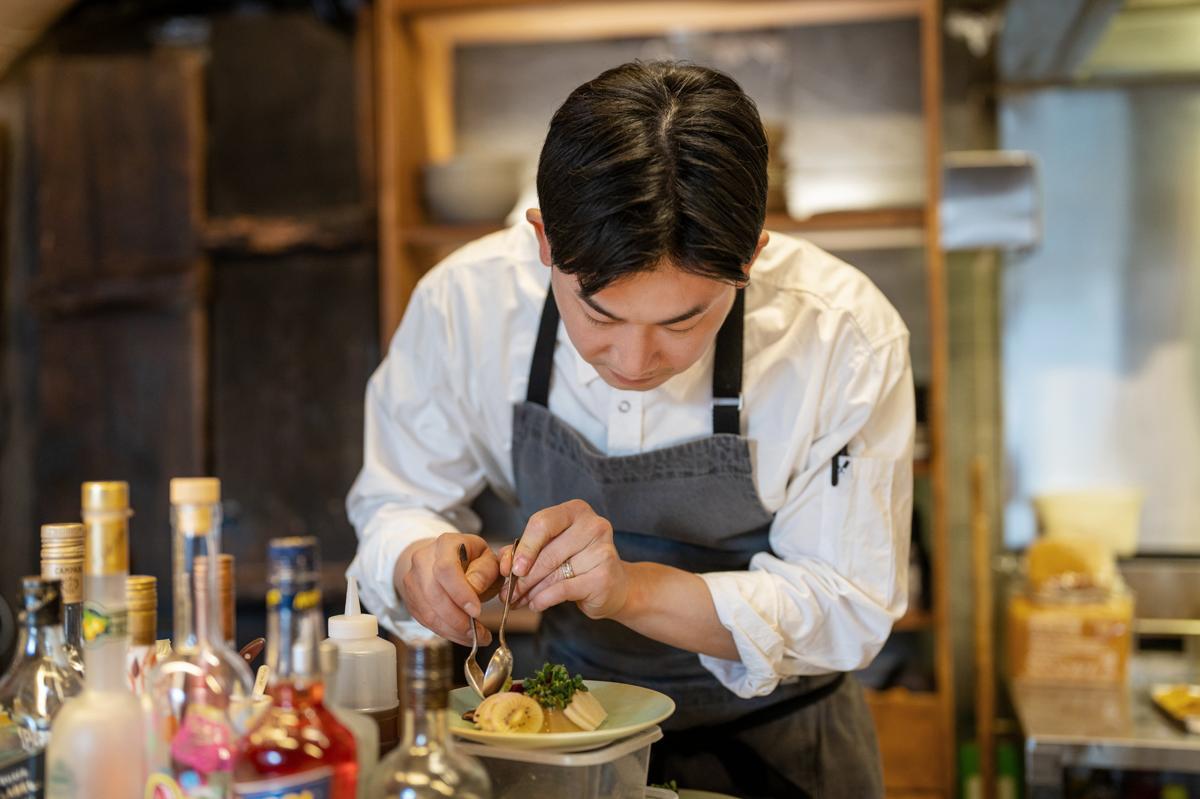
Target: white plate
(631, 709)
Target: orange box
(1084, 639)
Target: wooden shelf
(903, 225)
(341, 229)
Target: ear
(763, 238)
(534, 217)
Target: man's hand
(436, 590)
(597, 580)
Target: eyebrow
(674, 320)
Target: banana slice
(509, 712)
(585, 711)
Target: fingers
(463, 589)
(441, 595)
(543, 527)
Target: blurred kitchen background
(213, 213)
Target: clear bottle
(193, 695)
(38, 681)
(298, 748)
(94, 747)
(366, 678)
(427, 764)
(141, 596)
(62, 559)
(364, 728)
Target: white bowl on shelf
(471, 189)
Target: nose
(635, 353)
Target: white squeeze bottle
(366, 674)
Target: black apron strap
(727, 364)
(543, 354)
(727, 370)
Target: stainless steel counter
(1112, 728)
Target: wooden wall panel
(294, 342)
(117, 401)
(118, 143)
(282, 115)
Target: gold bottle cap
(141, 596)
(195, 491)
(106, 495)
(63, 533)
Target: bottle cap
(353, 623)
(106, 495)
(195, 491)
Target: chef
(707, 429)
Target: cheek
(680, 352)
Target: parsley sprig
(553, 686)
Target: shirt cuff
(381, 542)
(759, 644)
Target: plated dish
(554, 711)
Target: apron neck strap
(727, 364)
(727, 370)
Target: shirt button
(623, 406)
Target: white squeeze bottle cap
(366, 675)
(354, 623)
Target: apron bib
(693, 506)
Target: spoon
(499, 668)
(471, 668)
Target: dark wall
(154, 346)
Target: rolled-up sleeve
(419, 471)
(826, 596)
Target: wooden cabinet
(415, 43)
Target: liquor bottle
(363, 727)
(95, 749)
(141, 597)
(298, 748)
(427, 764)
(193, 693)
(39, 680)
(62, 559)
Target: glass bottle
(38, 681)
(427, 763)
(62, 559)
(363, 727)
(193, 694)
(95, 749)
(298, 748)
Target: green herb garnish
(553, 686)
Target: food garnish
(553, 686)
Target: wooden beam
(935, 270)
(600, 20)
(401, 152)
(985, 655)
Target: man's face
(645, 328)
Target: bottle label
(24, 778)
(71, 575)
(101, 624)
(309, 785)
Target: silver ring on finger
(565, 571)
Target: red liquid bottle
(298, 748)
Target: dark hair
(651, 161)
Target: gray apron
(693, 506)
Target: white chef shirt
(826, 363)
